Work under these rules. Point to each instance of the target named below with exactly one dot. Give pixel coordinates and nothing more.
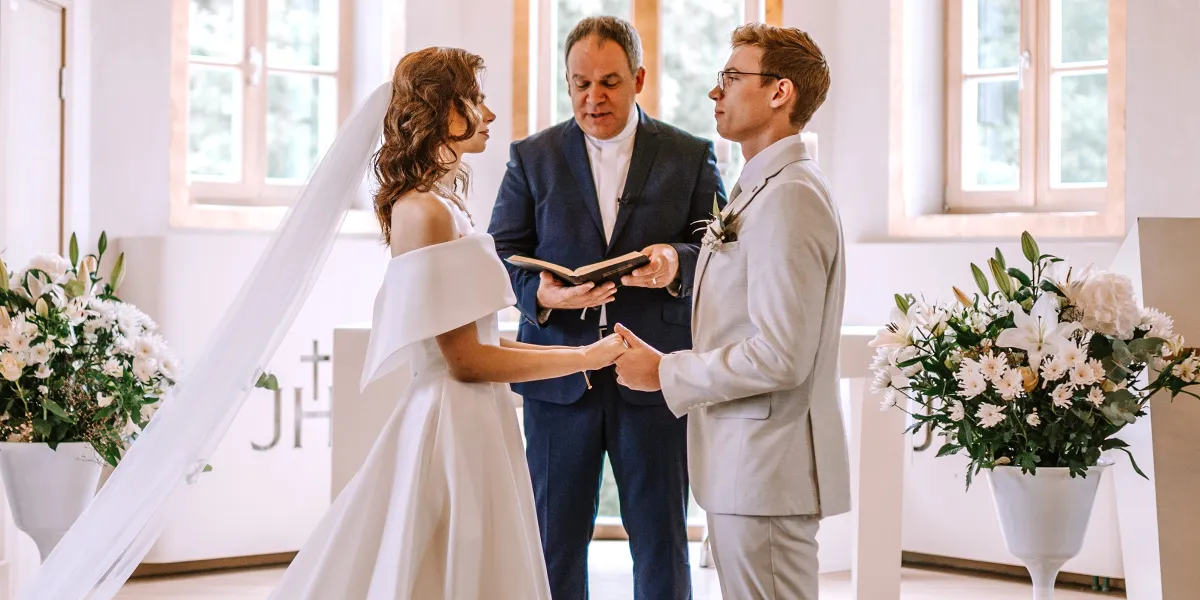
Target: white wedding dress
(442, 509)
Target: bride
(442, 508)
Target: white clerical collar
(765, 163)
(630, 128)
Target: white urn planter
(48, 489)
(1044, 517)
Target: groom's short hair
(609, 29)
(791, 54)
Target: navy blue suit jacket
(547, 209)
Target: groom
(766, 449)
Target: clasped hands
(637, 362)
(664, 266)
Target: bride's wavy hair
(428, 87)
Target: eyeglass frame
(721, 75)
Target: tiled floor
(610, 568)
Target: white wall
(130, 138)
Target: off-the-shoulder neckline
(434, 247)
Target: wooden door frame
(73, 145)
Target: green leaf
(1000, 259)
(74, 250)
(1030, 247)
(206, 469)
(103, 243)
(1134, 463)
(267, 381)
(980, 279)
(1144, 349)
(716, 207)
(41, 427)
(3, 276)
(948, 449)
(1020, 275)
(901, 303)
(57, 410)
(1049, 286)
(910, 362)
(1121, 354)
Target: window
(267, 84)
(685, 43)
(1034, 89)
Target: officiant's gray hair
(611, 29)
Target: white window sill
(1105, 225)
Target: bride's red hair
(428, 86)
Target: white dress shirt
(610, 165)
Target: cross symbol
(316, 359)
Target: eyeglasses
(721, 75)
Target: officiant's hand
(637, 368)
(663, 267)
(554, 294)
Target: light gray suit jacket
(760, 386)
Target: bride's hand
(604, 352)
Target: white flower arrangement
(1042, 372)
(76, 363)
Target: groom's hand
(637, 368)
(663, 267)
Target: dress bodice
(432, 290)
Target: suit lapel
(735, 207)
(645, 148)
(575, 150)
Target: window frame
(920, 222)
(1035, 193)
(252, 203)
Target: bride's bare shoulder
(420, 219)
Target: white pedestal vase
(48, 489)
(1044, 517)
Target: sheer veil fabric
(109, 540)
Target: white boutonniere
(719, 229)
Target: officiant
(610, 181)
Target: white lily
(897, 334)
(1039, 332)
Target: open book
(609, 270)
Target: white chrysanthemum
(1033, 419)
(1072, 355)
(113, 368)
(1082, 375)
(43, 371)
(883, 357)
(990, 415)
(1098, 371)
(39, 354)
(170, 367)
(993, 367)
(1108, 304)
(980, 322)
(972, 384)
(1054, 369)
(957, 411)
(882, 381)
(1157, 324)
(123, 345)
(1062, 396)
(1096, 397)
(43, 390)
(144, 369)
(1011, 385)
(145, 347)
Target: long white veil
(109, 540)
